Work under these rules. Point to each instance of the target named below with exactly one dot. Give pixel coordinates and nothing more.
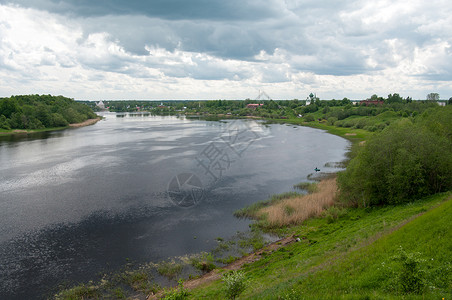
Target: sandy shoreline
(85, 123)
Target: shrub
(411, 278)
(332, 120)
(179, 293)
(309, 118)
(338, 123)
(371, 128)
(404, 162)
(235, 283)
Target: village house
(254, 106)
(371, 102)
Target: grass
(82, 291)
(351, 255)
(310, 187)
(292, 208)
(352, 134)
(170, 268)
(203, 262)
(297, 209)
(252, 211)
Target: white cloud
(348, 49)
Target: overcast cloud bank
(176, 49)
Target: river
(138, 187)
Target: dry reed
(297, 209)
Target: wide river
(76, 202)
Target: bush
(235, 283)
(371, 128)
(332, 120)
(410, 277)
(405, 161)
(339, 123)
(179, 293)
(309, 118)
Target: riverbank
(216, 274)
(292, 208)
(88, 122)
(281, 212)
(356, 253)
(74, 125)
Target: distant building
(371, 102)
(101, 105)
(253, 106)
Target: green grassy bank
(358, 253)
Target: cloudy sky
(228, 49)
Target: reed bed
(297, 209)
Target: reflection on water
(74, 203)
(29, 136)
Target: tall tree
(433, 97)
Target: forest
(41, 111)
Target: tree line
(41, 111)
(409, 159)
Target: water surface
(74, 203)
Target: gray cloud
(271, 42)
(162, 9)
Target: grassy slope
(342, 258)
(351, 134)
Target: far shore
(74, 125)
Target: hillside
(358, 253)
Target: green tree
(8, 106)
(57, 120)
(394, 98)
(4, 123)
(405, 161)
(433, 97)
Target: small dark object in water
(316, 169)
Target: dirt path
(85, 123)
(215, 274)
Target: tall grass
(295, 210)
(252, 211)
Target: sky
(229, 49)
